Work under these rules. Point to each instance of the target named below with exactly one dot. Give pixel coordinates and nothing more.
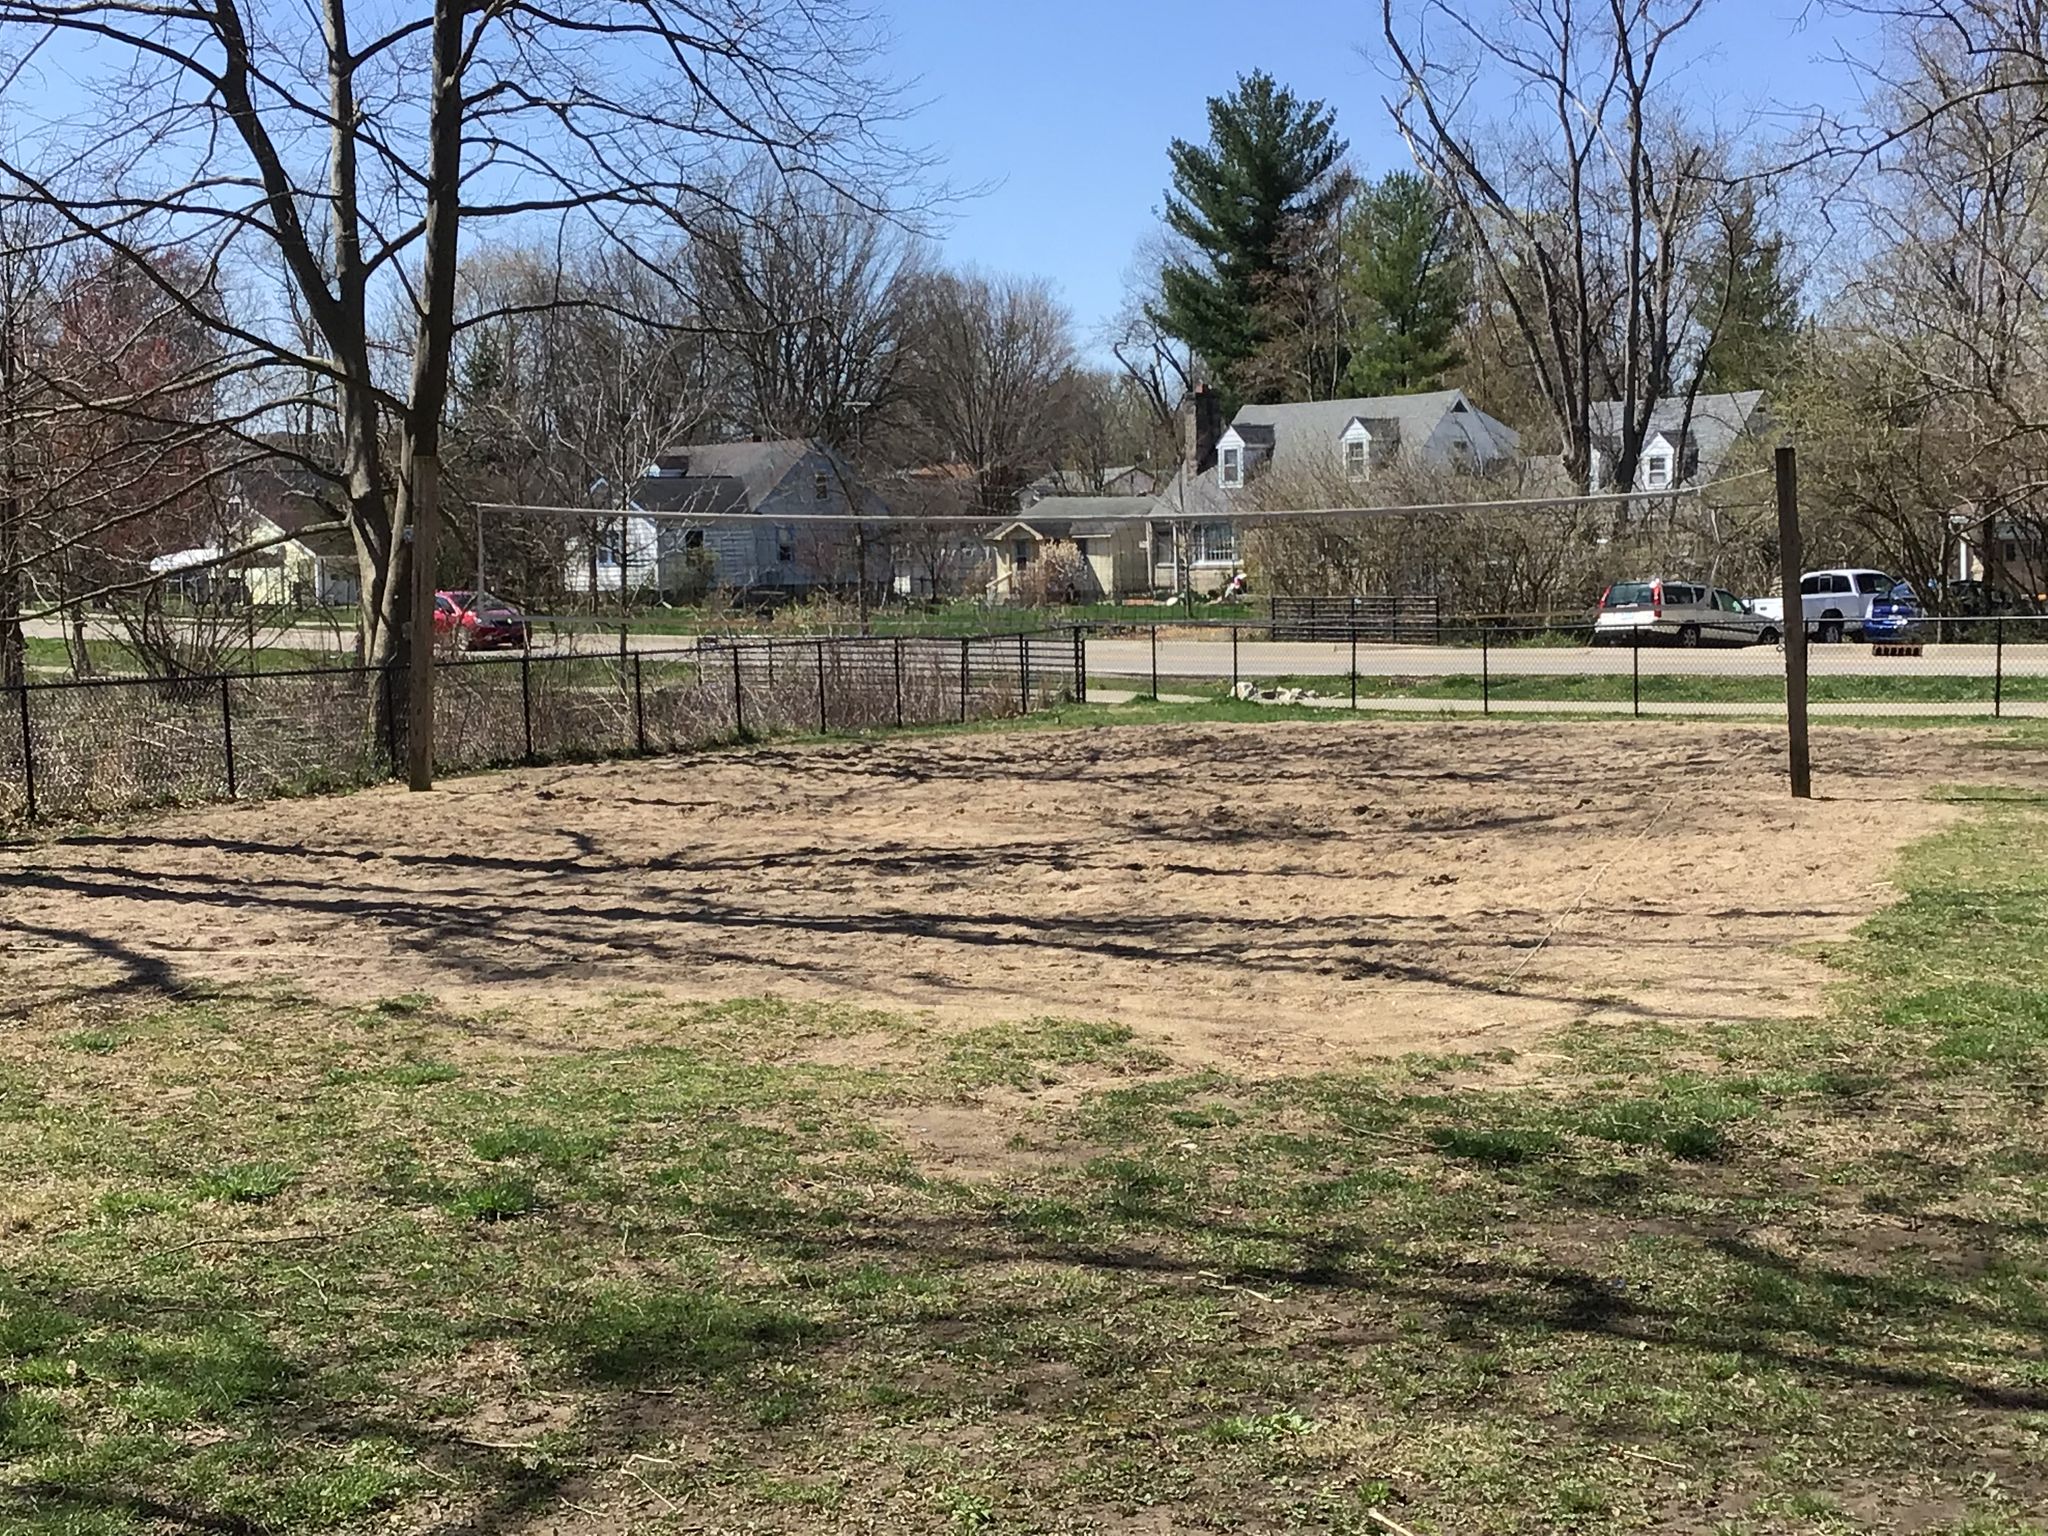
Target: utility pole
(1793, 620)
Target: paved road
(2014, 709)
(1261, 658)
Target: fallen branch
(1384, 1523)
(1222, 1284)
(1662, 1461)
(215, 1242)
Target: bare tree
(1580, 213)
(810, 288)
(1161, 368)
(1924, 396)
(329, 179)
(992, 383)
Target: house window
(1215, 544)
(693, 538)
(1230, 466)
(1162, 543)
(611, 544)
(1657, 472)
(785, 546)
(1354, 458)
(1020, 553)
(821, 486)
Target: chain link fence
(73, 751)
(1983, 668)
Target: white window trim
(1362, 467)
(1230, 466)
(1657, 471)
(1203, 560)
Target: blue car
(1895, 616)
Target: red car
(478, 621)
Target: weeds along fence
(1954, 668)
(73, 751)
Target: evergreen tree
(1749, 302)
(1408, 284)
(1268, 168)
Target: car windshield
(1902, 592)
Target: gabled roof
(1196, 499)
(291, 497)
(1714, 426)
(1304, 435)
(710, 479)
(1075, 517)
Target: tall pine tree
(1408, 286)
(1748, 301)
(1268, 168)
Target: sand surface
(1260, 893)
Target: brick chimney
(1201, 424)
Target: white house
(731, 515)
(1686, 443)
(1314, 449)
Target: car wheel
(1688, 635)
(1831, 632)
(1767, 637)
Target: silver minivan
(1660, 612)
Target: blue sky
(1065, 107)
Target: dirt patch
(977, 1141)
(1271, 894)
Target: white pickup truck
(1836, 602)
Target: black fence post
(1485, 671)
(28, 753)
(1080, 665)
(823, 726)
(1354, 662)
(963, 679)
(526, 699)
(739, 695)
(227, 733)
(639, 707)
(899, 681)
(769, 642)
(1233, 661)
(1155, 663)
(1635, 674)
(1998, 669)
(390, 721)
(1023, 674)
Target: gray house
(1313, 453)
(732, 515)
(1688, 442)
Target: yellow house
(1072, 548)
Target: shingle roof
(1717, 422)
(700, 494)
(1199, 499)
(719, 478)
(1070, 517)
(1304, 435)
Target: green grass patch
(1036, 1275)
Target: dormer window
(1354, 458)
(1230, 466)
(1657, 471)
(821, 487)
